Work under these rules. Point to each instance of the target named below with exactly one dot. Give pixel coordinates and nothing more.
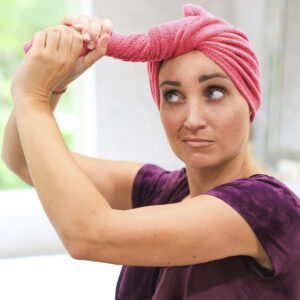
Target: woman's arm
(70, 199)
(113, 178)
(12, 152)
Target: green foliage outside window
(19, 20)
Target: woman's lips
(197, 143)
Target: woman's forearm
(12, 152)
(72, 202)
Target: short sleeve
(273, 212)
(148, 184)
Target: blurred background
(109, 113)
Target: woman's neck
(202, 180)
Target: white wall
(290, 121)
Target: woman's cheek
(230, 129)
(239, 131)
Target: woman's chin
(199, 162)
(198, 165)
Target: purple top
(270, 208)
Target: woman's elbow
(84, 249)
(77, 250)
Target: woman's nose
(195, 116)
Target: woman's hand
(96, 35)
(53, 61)
(50, 60)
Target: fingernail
(86, 36)
(91, 45)
(106, 34)
(78, 26)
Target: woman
(220, 228)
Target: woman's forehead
(192, 62)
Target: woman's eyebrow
(177, 83)
(207, 77)
(201, 79)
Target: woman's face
(200, 102)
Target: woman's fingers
(72, 21)
(52, 38)
(66, 39)
(95, 32)
(70, 43)
(91, 29)
(39, 40)
(77, 44)
(59, 48)
(61, 41)
(92, 56)
(85, 21)
(107, 26)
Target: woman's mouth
(197, 143)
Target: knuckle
(86, 27)
(37, 55)
(96, 22)
(57, 28)
(63, 62)
(107, 23)
(78, 36)
(53, 29)
(38, 33)
(67, 19)
(84, 18)
(96, 26)
(67, 29)
(46, 57)
(43, 57)
(61, 27)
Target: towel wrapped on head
(226, 45)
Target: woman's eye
(215, 93)
(171, 97)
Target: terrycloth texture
(224, 44)
(271, 209)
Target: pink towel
(227, 46)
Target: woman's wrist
(54, 98)
(59, 91)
